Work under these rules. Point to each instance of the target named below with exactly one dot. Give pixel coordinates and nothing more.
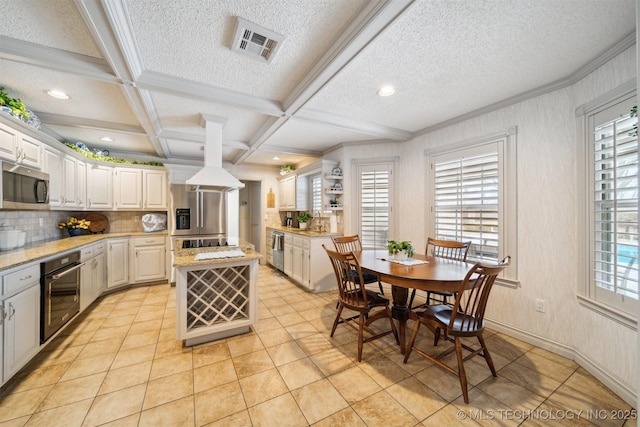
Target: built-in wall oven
(60, 296)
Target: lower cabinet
(299, 250)
(149, 258)
(21, 329)
(117, 263)
(92, 274)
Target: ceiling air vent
(255, 41)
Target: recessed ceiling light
(57, 94)
(276, 158)
(386, 91)
(106, 139)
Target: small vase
(74, 231)
(303, 226)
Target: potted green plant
(400, 250)
(16, 106)
(285, 169)
(303, 218)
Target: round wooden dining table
(435, 274)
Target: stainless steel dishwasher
(277, 244)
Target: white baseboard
(605, 377)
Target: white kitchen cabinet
(20, 148)
(69, 182)
(287, 193)
(127, 188)
(99, 187)
(149, 258)
(81, 185)
(288, 254)
(117, 263)
(19, 318)
(91, 274)
(52, 164)
(297, 261)
(299, 250)
(154, 189)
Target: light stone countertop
(306, 233)
(38, 251)
(186, 257)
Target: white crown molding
(368, 128)
(60, 120)
(163, 83)
(56, 59)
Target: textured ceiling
(144, 72)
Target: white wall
(547, 223)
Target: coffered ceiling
(143, 72)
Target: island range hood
(213, 177)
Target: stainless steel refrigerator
(198, 214)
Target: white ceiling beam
(76, 122)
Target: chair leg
(335, 322)
(380, 286)
(461, 372)
(360, 335)
(412, 340)
(428, 298)
(436, 337)
(393, 326)
(413, 295)
(487, 356)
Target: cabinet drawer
(297, 241)
(288, 238)
(148, 241)
(306, 244)
(99, 248)
(21, 279)
(87, 252)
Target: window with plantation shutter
(316, 193)
(472, 197)
(466, 202)
(613, 221)
(374, 191)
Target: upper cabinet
(99, 187)
(287, 193)
(154, 187)
(52, 164)
(20, 148)
(127, 186)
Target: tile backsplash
(43, 225)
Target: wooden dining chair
(464, 319)
(354, 296)
(346, 244)
(447, 249)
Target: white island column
(215, 298)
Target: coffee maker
(288, 221)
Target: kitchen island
(216, 296)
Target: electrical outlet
(540, 305)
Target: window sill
(508, 283)
(623, 318)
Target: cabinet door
(150, 263)
(288, 259)
(306, 267)
(29, 151)
(127, 188)
(154, 194)
(8, 143)
(118, 263)
(21, 329)
(99, 187)
(69, 199)
(86, 284)
(287, 193)
(81, 184)
(52, 164)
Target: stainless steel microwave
(23, 188)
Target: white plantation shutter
(466, 200)
(374, 183)
(316, 193)
(614, 225)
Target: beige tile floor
(120, 364)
